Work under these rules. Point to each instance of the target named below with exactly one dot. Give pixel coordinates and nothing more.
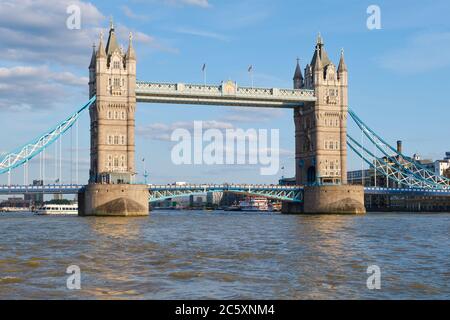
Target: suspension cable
(76, 152)
(366, 130)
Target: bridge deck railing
(183, 89)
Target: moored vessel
(58, 209)
(255, 204)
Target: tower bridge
(319, 100)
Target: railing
(277, 192)
(405, 191)
(223, 186)
(229, 89)
(49, 188)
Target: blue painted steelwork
(276, 192)
(162, 192)
(46, 189)
(27, 152)
(406, 164)
(407, 191)
(395, 173)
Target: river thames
(225, 255)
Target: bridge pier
(332, 199)
(125, 200)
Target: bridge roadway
(226, 94)
(161, 192)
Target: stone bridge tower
(112, 79)
(321, 137)
(321, 127)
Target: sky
(399, 75)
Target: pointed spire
(111, 45)
(131, 55)
(101, 50)
(318, 61)
(319, 39)
(93, 60)
(298, 71)
(342, 66)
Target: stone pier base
(124, 200)
(333, 199)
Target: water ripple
(193, 255)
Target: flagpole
(204, 73)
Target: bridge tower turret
(112, 79)
(321, 138)
(298, 77)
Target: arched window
(116, 139)
(116, 162)
(123, 139)
(110, 140)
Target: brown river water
(225, 255)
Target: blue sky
(398, 76)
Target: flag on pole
(143, 159)
(250, 68)
(204, 67)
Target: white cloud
(132, 15)
(35, 31)
(23, 88)
(422, 53)
(239, 114)
(162, 131)
(197, 3)
(123, 33)
(200, 3)
(34, 36)
(201, 33)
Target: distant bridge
(163, 192)
(407, 191)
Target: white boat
(58, 209)
(255, 204)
